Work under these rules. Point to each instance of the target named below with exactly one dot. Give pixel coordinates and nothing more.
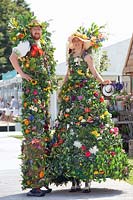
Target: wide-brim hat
(108, 90)
(81, 37)
(35, 23)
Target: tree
(8, 9)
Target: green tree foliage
(8, 9)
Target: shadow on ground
(66, 195)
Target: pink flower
(35, 92)
(114, 131)
(80, 98)
(27, 91)
(88, 154)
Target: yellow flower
(102, 116)
(96, 172)
(106, 113)
(80, 72)
(47, 89)
(95, 133)
(14, 38)
(28, 182)
(80, 118)
(34, 82)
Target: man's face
(36, 32)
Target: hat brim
(108, 90)
(86, 42)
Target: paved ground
(10, 180)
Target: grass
(130, 179)
(17, 136)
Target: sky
(65, 16)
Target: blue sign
(9, 75)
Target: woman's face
(77, 44)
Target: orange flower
(46, 139)
(41, 174)
(66, 98)
(20, 36)
(26, 122)
(27, 131)
(25, 104)
(77, 123)
(40, 51)
(66, 115)
(27, 65)
(101, 172)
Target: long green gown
(86, 145)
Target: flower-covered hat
(81, 37)
(35, 23)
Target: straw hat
(81, 37)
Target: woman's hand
(106, 82)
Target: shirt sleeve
(22, 48)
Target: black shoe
(73, 190)
(48, 190)
(78, 189)
(36, 193)
(86, 191)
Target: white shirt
(22, 48)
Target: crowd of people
(9, 109)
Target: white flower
(71, 132)
(93, 149)
(67, 110)
(77, 144)
(83, 120)
(68, 126)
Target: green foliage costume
(40, 65)
(86, 145)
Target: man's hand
(26, 76)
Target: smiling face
(36, 32)
(77, 45)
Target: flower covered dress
(86, 145)
(35, 116)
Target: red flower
(36, 51)
(112, 153)
(88, 154)
(83, 147)
(96, 94)
(101, 99)
(87, 110)
(33, 53)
